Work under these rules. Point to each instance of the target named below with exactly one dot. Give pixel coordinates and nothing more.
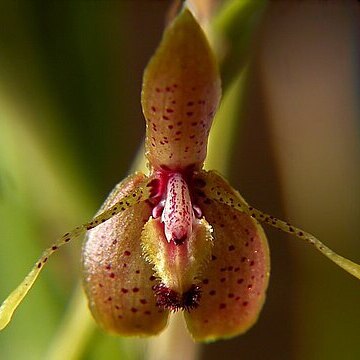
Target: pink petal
(180, 94)
(235, 281)
(118, 281)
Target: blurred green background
(71, 125)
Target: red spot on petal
(127, 253)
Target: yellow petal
(178, 266)
(211, 190)
(118, 281)
(180, 94)
(16, 297)
(235, 281)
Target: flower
(180, 238)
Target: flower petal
(178, 266)
(213, 190)
(180, 94)
(117, 279)
(235, 281)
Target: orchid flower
(180, 238)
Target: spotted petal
(235, 281)
(118, 281)
(180, 94)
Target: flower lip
(172, 300)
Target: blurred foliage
(70, 125)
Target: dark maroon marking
(123, 290)
(147, 312)
(205, 281)
(112, 275)
(245, 303)
(231, 295)
(213, 257)
(231, 248)
(134, 310)
(152, 278)
(135, 289)
(212, 292)
(179, 241)
(54, 248)
(222, 306)
(137, 271)
(167, 298)
(143, 301)
(127, 253)
(240, 281)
